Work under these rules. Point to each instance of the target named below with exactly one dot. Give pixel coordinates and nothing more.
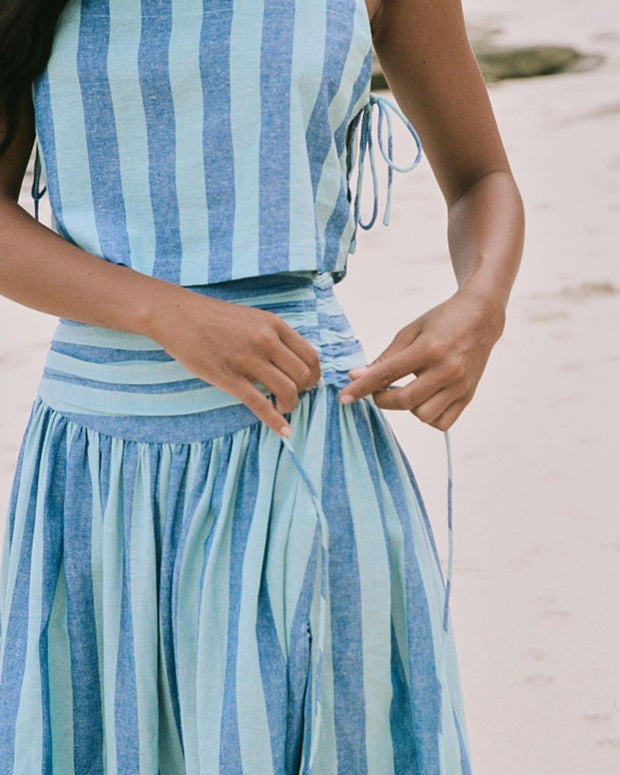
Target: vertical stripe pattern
(182, 591)
(100, 128)
(276, 143)
(200, 142)
(160, 122)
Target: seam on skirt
(243, 415)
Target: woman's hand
(446, 348)
(232, 345)
(426, 56)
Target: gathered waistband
(127, 384)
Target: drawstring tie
(36, 191)
(324, 551)
(363, 123)
(324, 554)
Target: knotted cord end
(363, 122)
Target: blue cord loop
(36, 191)
(323, 530)
(363, 123)
(448, 588)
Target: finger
(278, 383)
(303, 375)
(380, 374)
(403, 339)
(390, 352)
(260, 404)
(302, 348)
(430, 410)
(447, 419)
(412, 394)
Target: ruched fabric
(183, 592)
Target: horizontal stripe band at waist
(99, 371)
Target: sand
(536, 462)
(535, 454)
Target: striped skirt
(183, 592)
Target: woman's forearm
(447, 347)
(232, 346)
(485, 236)
(426, 56)
(42, 270)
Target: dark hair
(27, 29)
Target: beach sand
(535, 455)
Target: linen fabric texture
(182, 591)
(163, 575)
(201, 142)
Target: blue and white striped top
(203, 142)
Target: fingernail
(357, 371)
(285, 431)
(347, 398)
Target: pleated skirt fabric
(184, 593)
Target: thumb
(389, 351)
(357, 372)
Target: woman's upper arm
(14, 160)
(427, 60)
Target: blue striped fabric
(183, 592)
(91, 370)
(203, 142)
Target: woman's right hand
(232, 345)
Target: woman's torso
(204, 142)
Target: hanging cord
(324, 554)
(36, 192)
(364, 124)
(450, 557)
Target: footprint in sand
(545, 316)
(560, 336)
(587, 290)
(554, 613)
(535, 654)
(578, 292)
(605, 35)
(552, 609)
(571, 366)
(538, 679)
(596, 717)
(566, 399)
(520, 563)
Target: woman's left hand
(446, 348)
